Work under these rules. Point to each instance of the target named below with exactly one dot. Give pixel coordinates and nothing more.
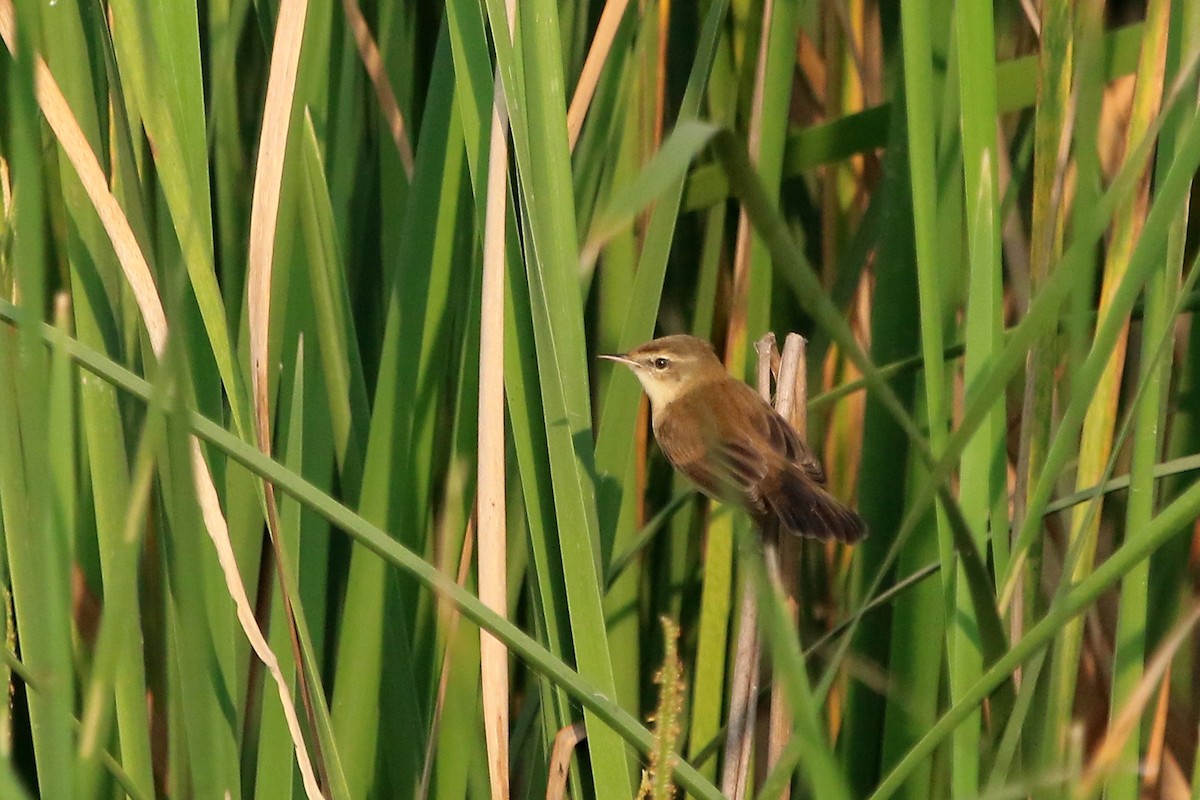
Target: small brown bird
(722, 435)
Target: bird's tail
(805, 508)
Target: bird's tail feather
(805, 508)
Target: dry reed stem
(743, 693)
(791, 401)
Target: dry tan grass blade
(1124, 720)
(264, 218)
(372, 60)
(565, 742)
(66, 129)
(264, 210)
(449, 618)
(606, 29)
(490, 499)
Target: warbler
(731, 443)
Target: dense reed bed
(310, 483)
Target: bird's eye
(660, 363)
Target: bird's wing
(725, 468)
(784, 440)
(778, 437)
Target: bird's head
(670, 366)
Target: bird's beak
(620, 359)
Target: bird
(731, 443)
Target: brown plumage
(719, 433)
